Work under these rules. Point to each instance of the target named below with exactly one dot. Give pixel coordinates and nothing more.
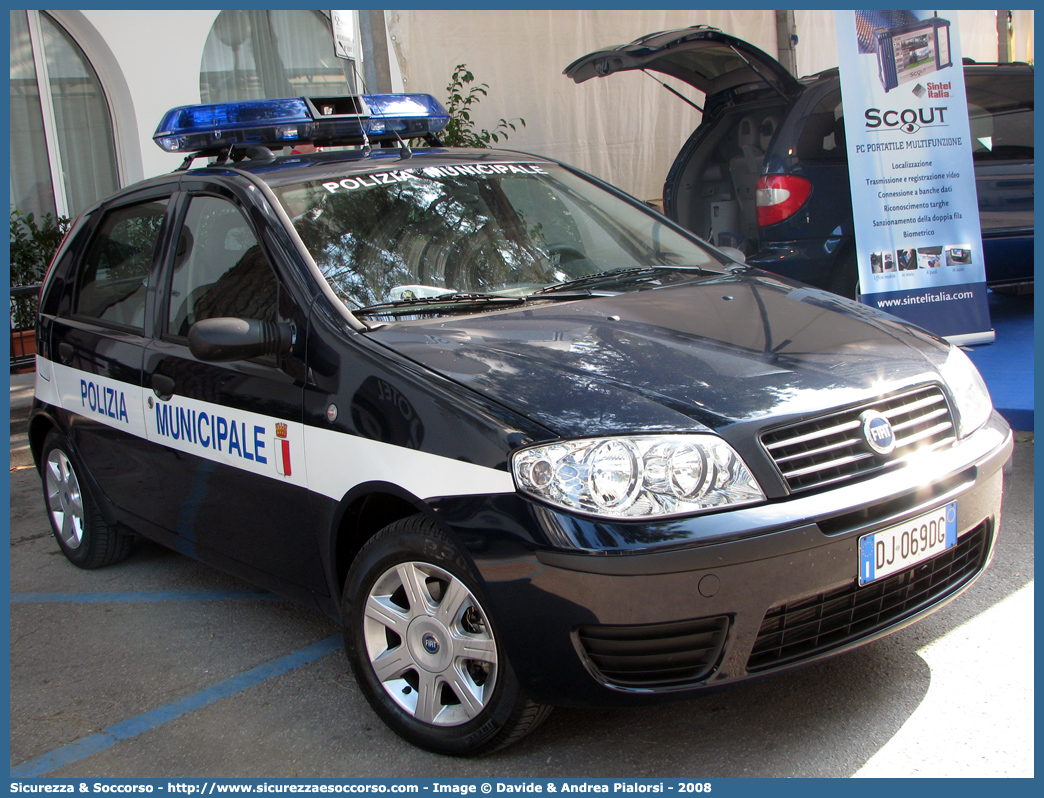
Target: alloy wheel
(429, 644)
(64, 500)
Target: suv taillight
(779, 197)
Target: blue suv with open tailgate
(766, 169)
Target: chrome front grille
(832, 449)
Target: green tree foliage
(33, 244)
(463, 98)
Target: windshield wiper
(457, 297)
(631, 273)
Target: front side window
(509, 230)
(219, 269)
(116, 267)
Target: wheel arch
(40, 424)
(362, 513)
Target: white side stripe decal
(90, 395)
(46, 390)
(237, 438)
(336, 460)
(326, 462)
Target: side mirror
(733, 253)
(225, 339)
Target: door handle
(163, 386)
(65, 353)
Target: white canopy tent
(626, 129)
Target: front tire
(423, 649)
(83, 534)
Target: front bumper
(752, 591)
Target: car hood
(735, 348)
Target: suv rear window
(1000, 110)
(1001, 114)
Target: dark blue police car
(532, 443)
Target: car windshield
(483, 236)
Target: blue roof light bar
(321, 121)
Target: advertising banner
(918, 242)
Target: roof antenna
(367, 149)
(358, 76)
(405, 152)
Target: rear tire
(423, 648)
(83, 535)
(845, 280)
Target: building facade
(89, 87)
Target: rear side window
(219, 269)
(1000, 110)
(822, 138)
(59, 284)
(115, 272)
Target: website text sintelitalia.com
(941, 296)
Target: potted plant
(33, 244)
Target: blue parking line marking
(154, 718)
(133, 596)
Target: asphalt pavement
(162, 667)
(21, 401)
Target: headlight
(968, 390)
(638, 477)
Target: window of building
(30, 176)
(251, 55)
(63, 154)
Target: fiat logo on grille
(878, 433)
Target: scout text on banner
(918, 242)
